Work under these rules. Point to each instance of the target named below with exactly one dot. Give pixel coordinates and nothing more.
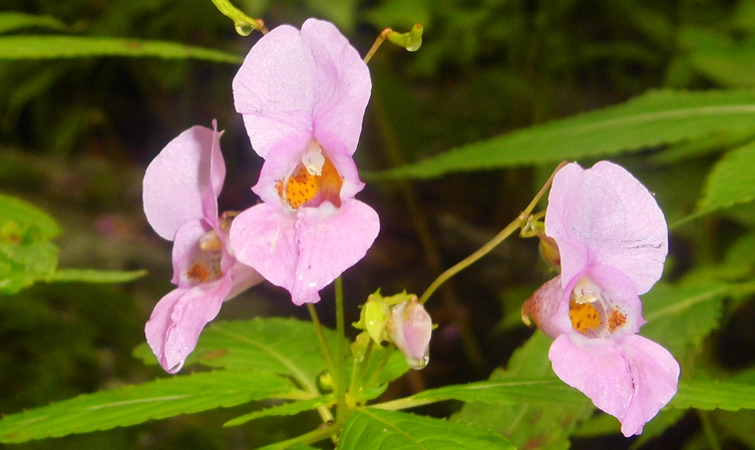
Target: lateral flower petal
(182, 182)
(604, 215)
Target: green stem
(710, 433)
(243, 23)
(340, 355)
(406, 402)
(485, 249)
(379, 368)
(321, 337)
(313, 436)
(357, 374)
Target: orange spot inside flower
(584, 317)
(306, 189)
(206, 266)
(198, 272)
(616, 320)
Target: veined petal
(330, 241)
(597, 367)
(655, 374)
(264, 238)
(177, 320)
(605, 216)
(182, 182)
(302, 81)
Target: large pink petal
(264, 238)
(596, 367)
(177, 320)
(182, 182)
(308, 81)
(342, 83)
(606, 215)
(330, 241)
(655, 374)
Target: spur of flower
(302, 94)
(180, 191)
(612, 241)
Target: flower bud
(410, 329)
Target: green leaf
(509, 391)
(54, 47)
(719, 58)
(95, 276)
(27, 217)
(732, 180)
(283, 346)
(711, 394)
(135, 404)
(660, 117)
(12, 21)
(679, 317)
(371, 428)
(529, 425)
(286, 409)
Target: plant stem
(357, 373)
(485, 249)
(321, 337)
(376, 45)
(710, 433)
(311, 437)
(381, 364)
(340, 355)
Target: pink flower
(612, 239)
(303, 95)
(181, 188)
(410, 329)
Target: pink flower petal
(186, 249)
(655, 374)
(543, 308)
(264, 238)
(329, 243)
(411, 331)
(177, 320)
(309, 81)
(606, 216)
(182, 182)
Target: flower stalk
(244, 24)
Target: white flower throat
(312, 181)
(206, 265)
(591, 312)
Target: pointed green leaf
(13, 20)
(135, 404)
(679, 317)
(371, 428)
(94, 276)
(285, 409)
(656, 118)
(720, 58)
(27, 217)
(710, 394)
(55, 47)
(732, 180)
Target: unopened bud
(410, 330)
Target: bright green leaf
(662, 117)
(95, 276)
(285, 409)
(371, 428)
(24, 262)
(135, 404)
(26, 216)
(709, 394)
(13, 20)
(54, 47)
(732, 180)
(718, 57)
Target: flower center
(206, 265)
(590, 311)
(313, 181)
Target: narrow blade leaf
(732, 180)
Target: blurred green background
(76, 134)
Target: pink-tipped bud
(410, 330)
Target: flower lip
(312, 181)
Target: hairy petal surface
(330, 241)
(182, 182)
(604, 215)
(177, 320)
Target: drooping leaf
(56, 47)
(135, 404)
(283, 346)
(711, 394)
(95, 276)
(732, 180)
(14, 20)
(285, 409)
(680, 316)
(372, 428)
(720, 58)
(26, 216)
(535, 425)
(661, 117)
